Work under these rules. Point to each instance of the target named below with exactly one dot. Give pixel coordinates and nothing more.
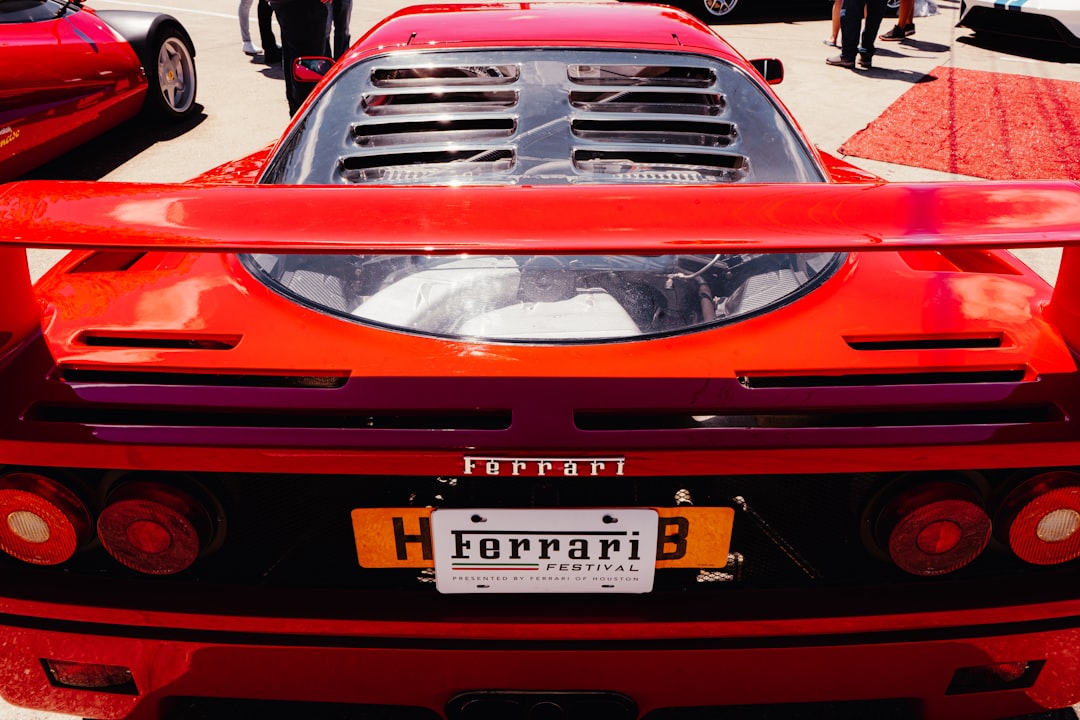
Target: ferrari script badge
(544, 467)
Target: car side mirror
(311, 69)
(769, 68)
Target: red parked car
(543, 369)
(68, 74)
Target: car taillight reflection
(1042, 518)
(934, 528)
(154, 528)
(41, 521)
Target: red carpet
(989, 125)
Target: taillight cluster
(44, 522)
(936, 527)
(146, 525)
(1042, 517)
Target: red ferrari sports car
(68, 74)
(542, 369)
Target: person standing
(905, 22)
(858, 36)
(303, 26)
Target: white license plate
(544, 551)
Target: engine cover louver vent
(540, 118)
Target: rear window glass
(544, 298)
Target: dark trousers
(851, 20)
(303, 34)
(266, 30)
(340, 14)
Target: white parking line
(155, 6)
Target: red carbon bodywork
(62, 82)
(150, 288)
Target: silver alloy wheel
(719, 8)
(176, 75)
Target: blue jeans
(851, 20)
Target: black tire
(892, 6)
(170, 70)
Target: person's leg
(834, 34)
(243, 13)
(906, 16)
(850, 23)
(342, 11)
(303, 33)
(285, 13)
(271, 52)
(904, 25)
(851, 17)
(875, 11)
(328, 35)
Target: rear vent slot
(683, 132)
(113, 377)
(435, 130)
(454, 75)
(879, 379)
(353, 419)
(108, 261)
(656, 102)
(950, 416)
(450, 101)
(425, 165)
(639, 75)
(953, 260)
(942, 343)
(637, 164)
(160, 342)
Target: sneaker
(897, 33)
(250, 49)
(909, 29)
(830, 43)
(866, 60)
(840, 61)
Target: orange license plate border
(687, 537)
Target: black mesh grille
(227, 709)
(789, 530)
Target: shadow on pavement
(95, 159)
(1023, 47)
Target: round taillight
(935, 528)
(41, 521)
(1042, 518)
(154, 528)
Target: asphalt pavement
(244, 108)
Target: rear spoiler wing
(593, 219)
